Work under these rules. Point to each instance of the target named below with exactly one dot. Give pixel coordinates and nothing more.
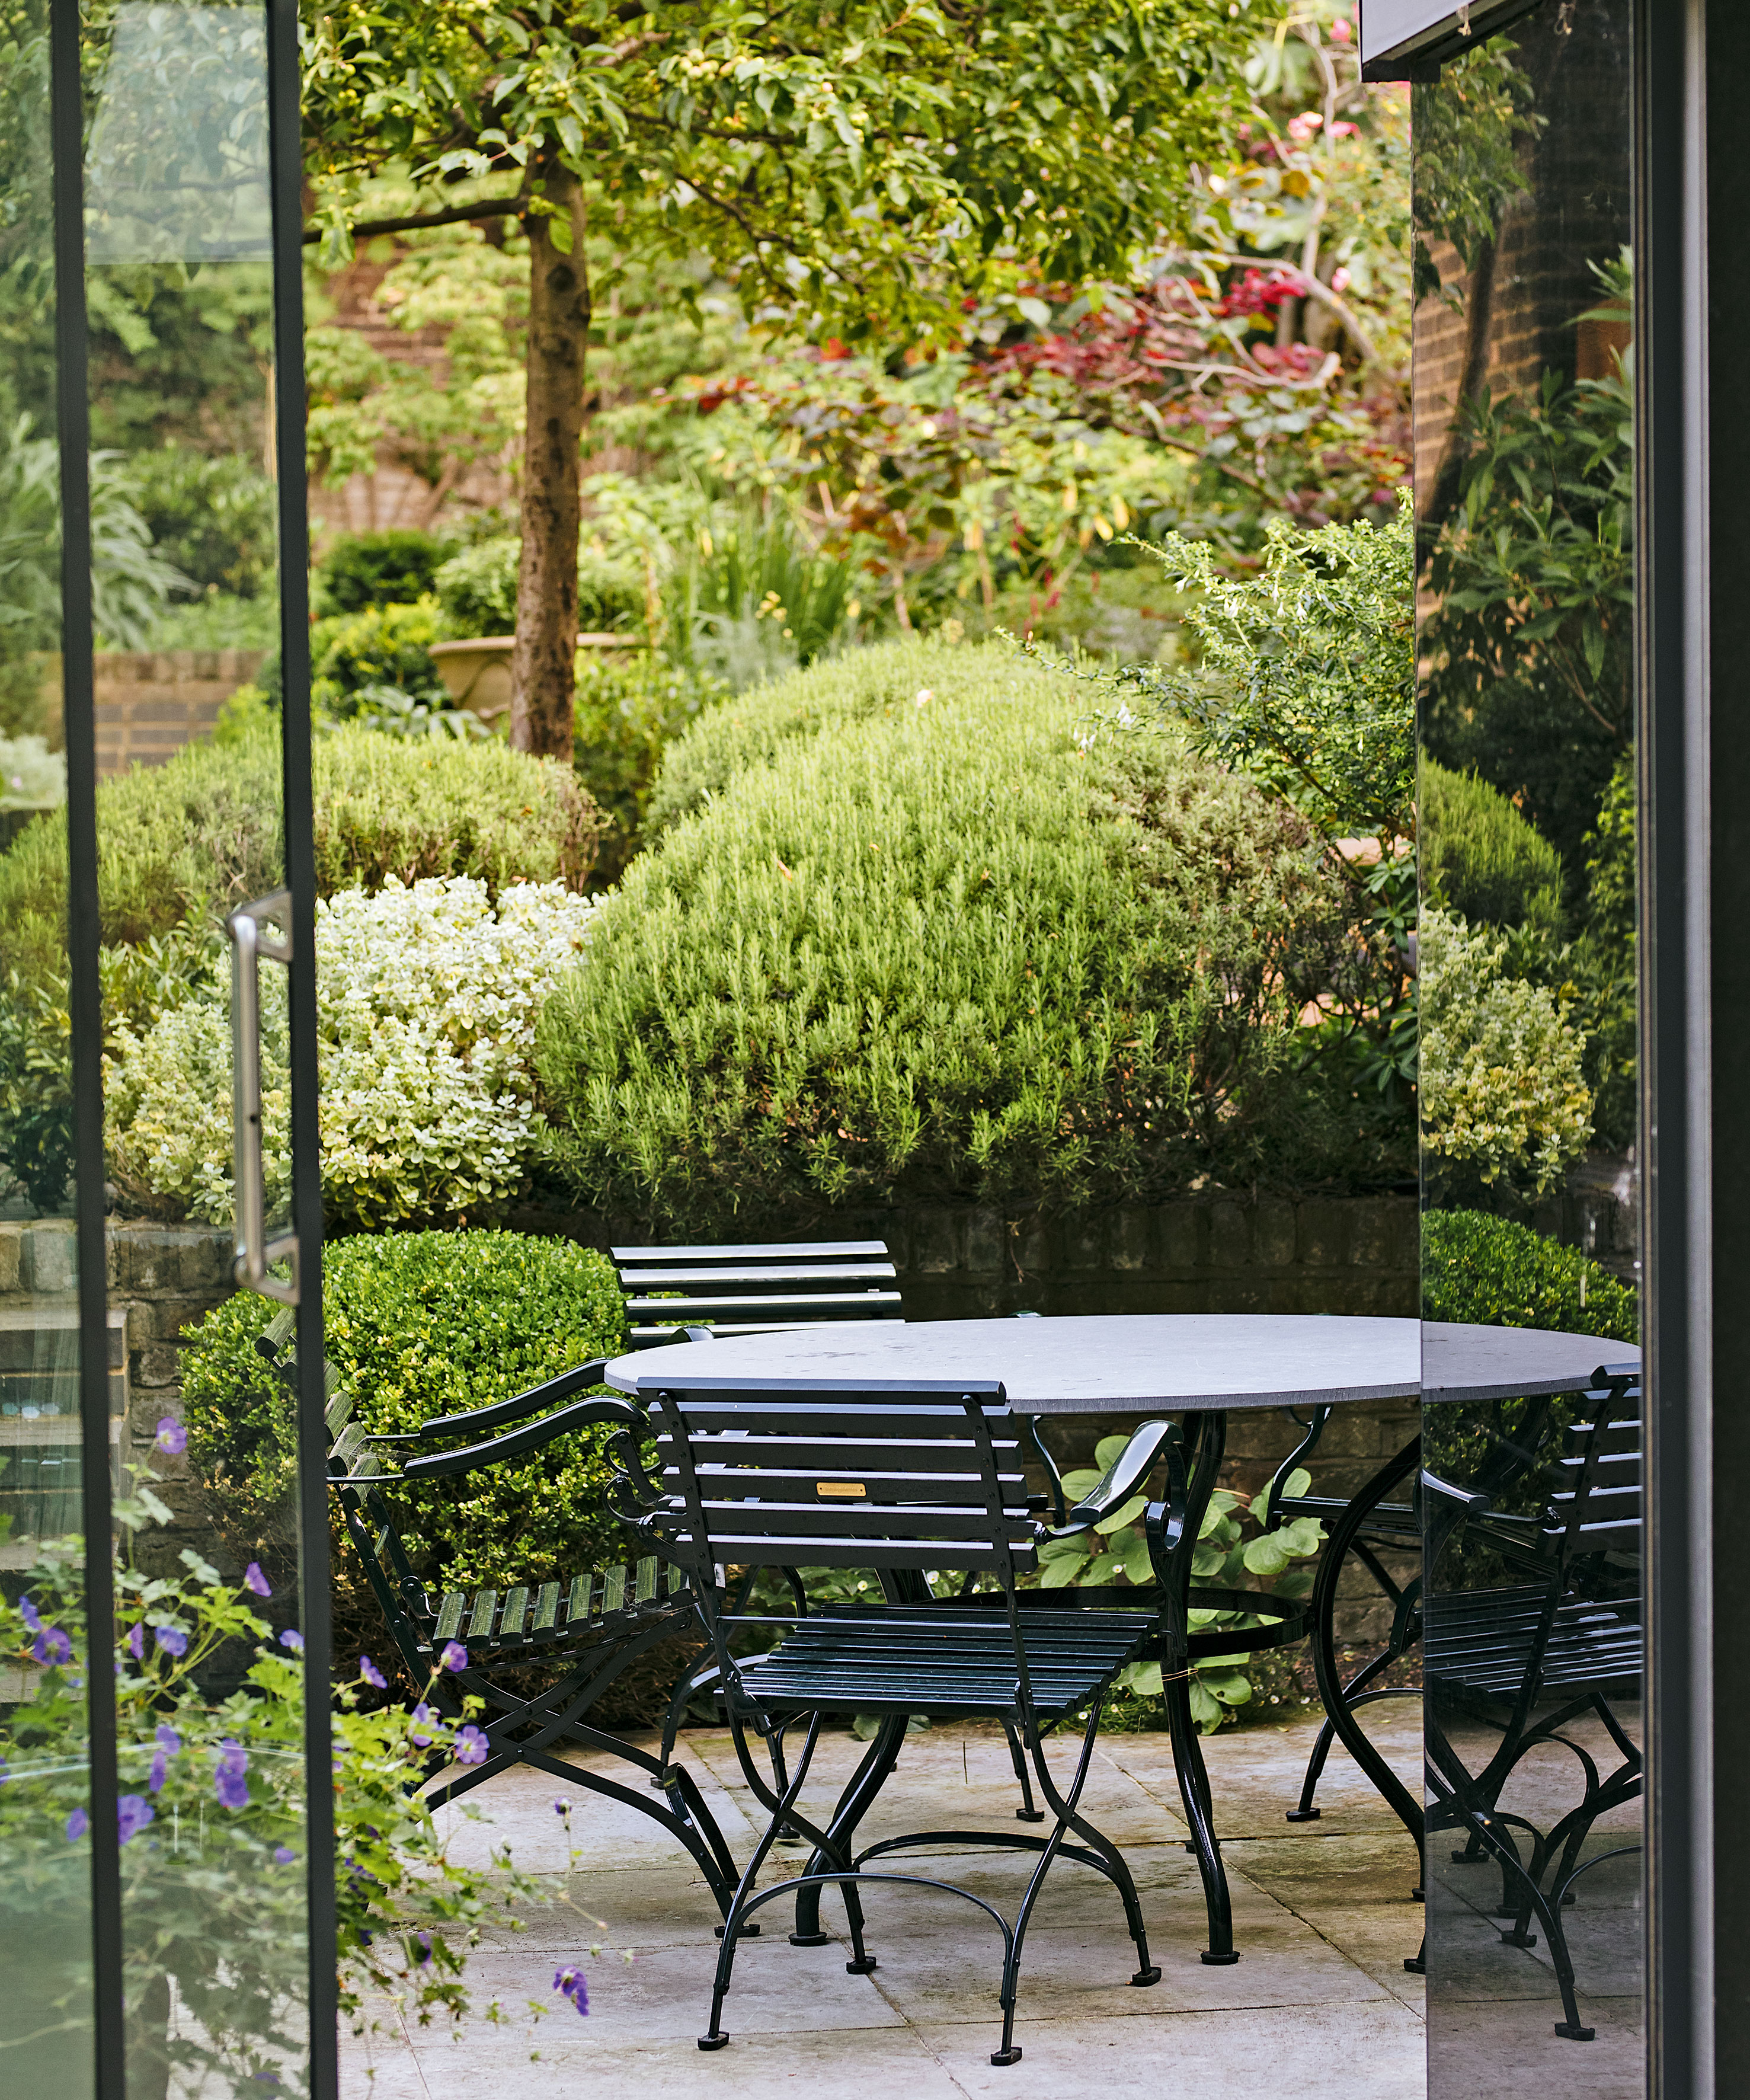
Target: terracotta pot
(477, 671)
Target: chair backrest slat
(827, 1477)
(756, 1288)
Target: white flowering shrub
(428, 997)
(1501, 1080)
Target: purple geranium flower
(28, 1613)
(77, 1823)
(371, 1675)
(293, 1639)
(51, 1645)
(284, 1856)
(137, 1640)
(167, 1739)
(170, 1639)
(421, 1712)
(471, 1746)
(424, 1942)
(560, 1807)
(228, 1781)
(171, 1437)
(155, 1777)
(133, 1813)
(569, 1983)
(254, 1579)
(455, 1656)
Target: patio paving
(1320, 2005)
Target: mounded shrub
(477, 590)
(419, 1324)
(1496, 1273)
(1480, 857)
(194, 838)
(362, 569)
(751, 729)
(943, 951)
(381, 645)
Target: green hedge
(862, 684)
(1480, 857)
(941, 951)
(1494, 1273)
(195, 837)
(422, 1324)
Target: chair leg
(1119, 1867)
(779, 1806)
(1194, 1791)
(1026, 1813)
(872, 1775)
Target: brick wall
(151, 704)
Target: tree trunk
(544, 664)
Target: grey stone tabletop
(1127, 1363)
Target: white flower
(429, 1001)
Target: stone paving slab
(1321, 1915)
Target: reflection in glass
(1527, 1095)
(178, 299)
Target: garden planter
(477, 671)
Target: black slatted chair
(1529, 1658)
(902, 1480)
(755, 1290)
(1390, 1528)
(584, 1632)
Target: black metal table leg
(1343, 1533)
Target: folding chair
(902, 1480)
(754, 1289)
(587, 1630)
(1529, 1658)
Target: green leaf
(1126, 1513)
(1058, 1574)
(1082, 1482)
(1267, 1555)
(1144, 1679)
(1108, 1450)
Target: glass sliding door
(165, 1872)
(1525, 460)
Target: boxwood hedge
(1496, 1272)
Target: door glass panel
(45, 2031)
(178, 299)
(1526, 947)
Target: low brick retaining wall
(151, 703)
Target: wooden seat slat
(546, 1608)
(449, 1617)
(480, 1625)
(511, 1618)
(773, 1250)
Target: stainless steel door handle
(251, 939)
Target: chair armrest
(578, 1416)
(1122, 1480)
(545, 1394)
(1464, 1498)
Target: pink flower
(472, 1747)
(1341, 31)
(254, 1579)
(171, 1437)
(371, 1675)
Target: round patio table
(1201, 1365)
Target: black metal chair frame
(1511, 1647)
(918, 1478)
(590, 1631)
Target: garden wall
(150, 703)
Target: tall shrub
(1480, 857)
(944, 951)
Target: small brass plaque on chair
(841, 1488)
